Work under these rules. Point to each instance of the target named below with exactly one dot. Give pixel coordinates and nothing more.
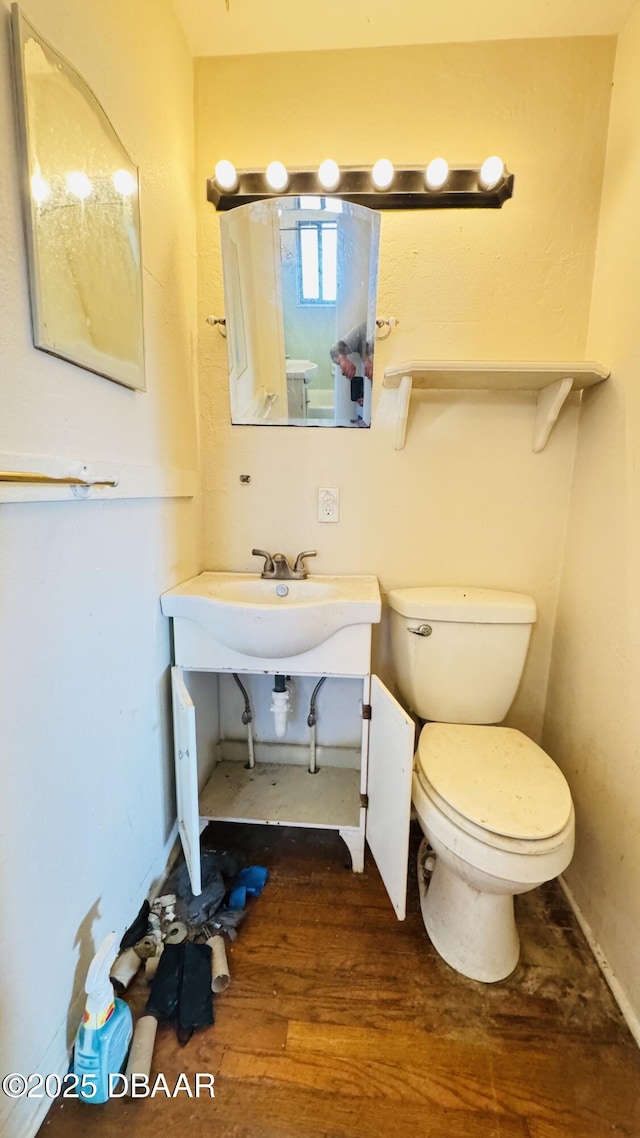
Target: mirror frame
(21, 31)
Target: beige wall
(87, 811)
(592, 724)
(466, 501)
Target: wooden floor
(342, 1022)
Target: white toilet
(493, 806)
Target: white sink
(249, 614)
(300, 369)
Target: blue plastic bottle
(105, 1033)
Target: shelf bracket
(404, 396)
(549, 404)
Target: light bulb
(329, 174)
(382, 174)
(225, 175)
(491, 172)
(436, 173)
(124, 182)
(40, 188)
(277, 176)
(78, 184)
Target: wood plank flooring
(342, 1022)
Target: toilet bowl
(493, 806)
(468, 908)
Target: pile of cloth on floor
(180, 939)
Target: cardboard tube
(141, 1053)
(125, 969)
(220, 978)
(146, 947)
(151, 965)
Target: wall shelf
(54, 477)
(551, 382)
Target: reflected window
(318, 260)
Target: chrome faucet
(277, 568)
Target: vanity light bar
(463, 189)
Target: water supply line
(246, 719)
(311, 721)
(280, 706)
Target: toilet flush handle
(421, 630)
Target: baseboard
(294, 753)
(630, 1016)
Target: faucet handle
(300, 566)
(268, 560)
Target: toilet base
(474, 932)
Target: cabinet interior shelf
(282, 795)
(551, 382)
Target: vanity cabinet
(299, 375)
(362, 787)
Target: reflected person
(354, 343)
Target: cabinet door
(391, 747)
(186, 765)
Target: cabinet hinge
(366, 711)
(364, 801)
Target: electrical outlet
(328, 504)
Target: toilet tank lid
(464, 605)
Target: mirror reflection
(82, 218)
(300, 280)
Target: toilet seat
(495, 784)
(531, 847)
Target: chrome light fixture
(434, 186)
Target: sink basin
(249, 614)
(300, 369)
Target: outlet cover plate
(328, 504)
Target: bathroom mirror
(300, 281)
(82, 220)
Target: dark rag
(181, 989)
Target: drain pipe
(246, 719)
(280, 706)
(311, 721)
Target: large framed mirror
(82, 219)
(300, 283)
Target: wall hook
(390, 323)
(220, 323)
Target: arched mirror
(300, 282)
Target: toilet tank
(468, 666)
